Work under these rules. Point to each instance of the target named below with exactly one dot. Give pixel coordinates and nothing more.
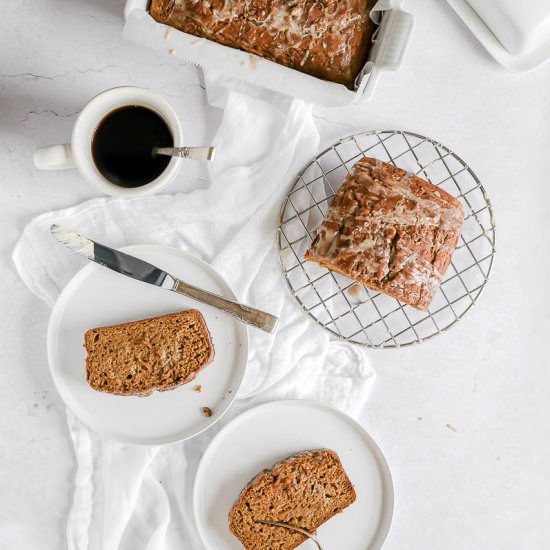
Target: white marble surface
(484, 485)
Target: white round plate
(262, 436)
(96, 297)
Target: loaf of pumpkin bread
(329, 40)
(391, 231)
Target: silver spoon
(292, 528)
(198, 153)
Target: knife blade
(143, 271)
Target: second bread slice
(304, 490)
(159, 353)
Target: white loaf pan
(390, 43)
(515, 32)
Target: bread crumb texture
(159, 353)
(304, 490)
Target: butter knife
(143, 271)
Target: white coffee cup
(78, 153)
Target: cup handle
(53, 157)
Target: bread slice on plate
(159, 353)
(304, 490)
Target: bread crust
(390, 231)
(90, 334)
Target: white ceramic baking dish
(390, 43)
(515, 32)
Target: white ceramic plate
(95, 297)
(262, 436)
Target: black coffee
(122, 147)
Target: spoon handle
(293, 528)
(199, 153)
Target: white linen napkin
(129, 497)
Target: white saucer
(260, 437)
(97, 296)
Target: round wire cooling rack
(352, 311)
